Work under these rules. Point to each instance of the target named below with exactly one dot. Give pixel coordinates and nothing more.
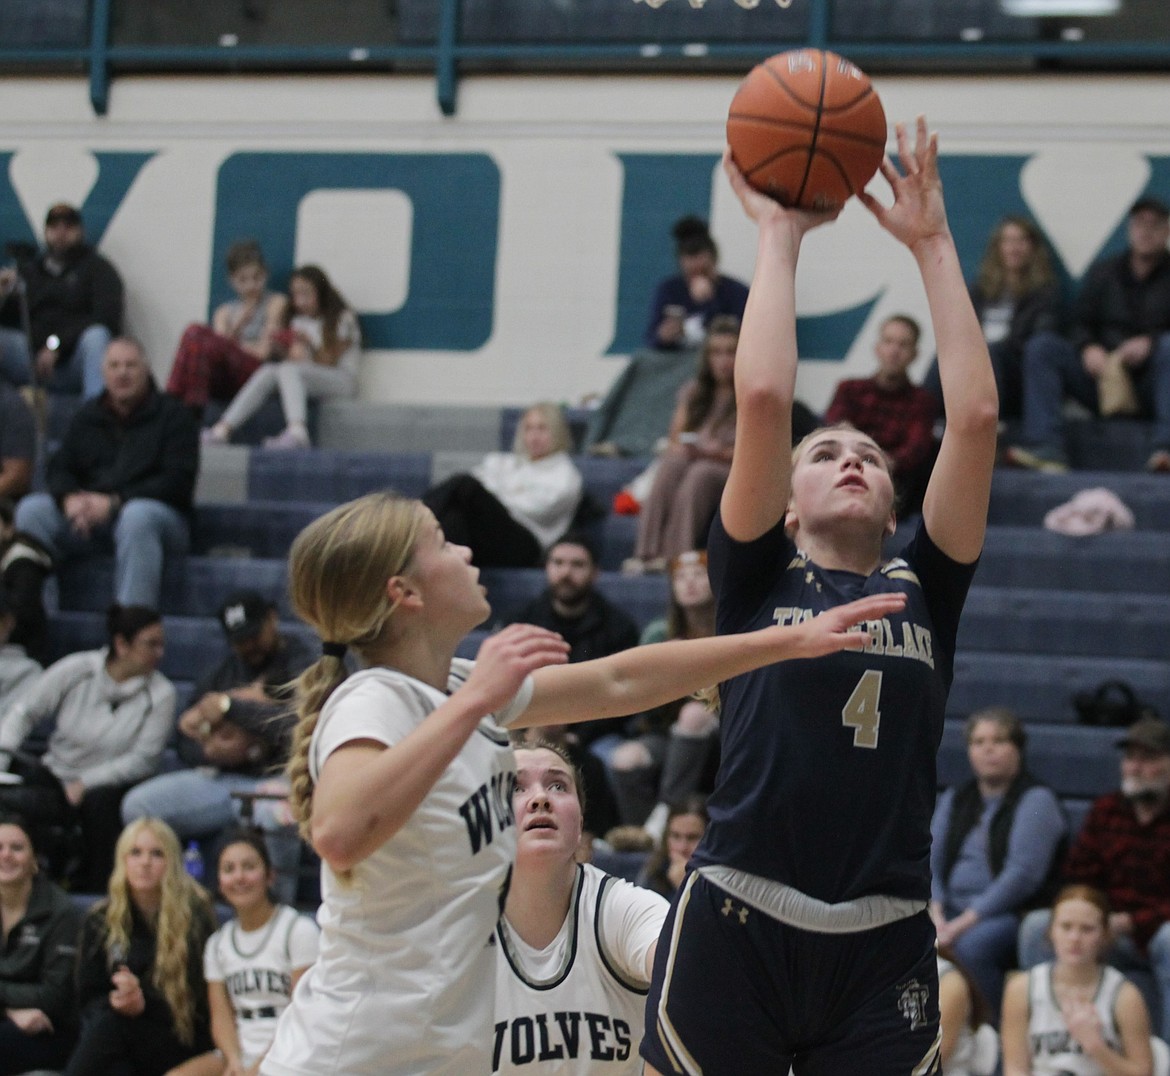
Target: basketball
(807, 128)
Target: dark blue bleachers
(1076, 761)
(1135, 562)
(1022, 498)
(334, 477)
(1040, 687)
(1066, 622)
(260, 528)
(195, 586)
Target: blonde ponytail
(338, 568)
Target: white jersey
(403, 983)
(1054, 1051)
(578, 1005)
(256, 968)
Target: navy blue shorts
(736, 991)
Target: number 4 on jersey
(862, 713)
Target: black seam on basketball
(840, 169)
(771, 121)
(788, 90)
(812, 146)
(866, 91)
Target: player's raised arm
(955, 507)
(756, 495)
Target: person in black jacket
(37, 951)
(233, 735)
(140, 984)
(74, 308)
(125, 472)
(1119, 346)
(592, 626)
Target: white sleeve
(304, 940)
(519, 703)
(382, 710)
(631, 920)
(212, 969)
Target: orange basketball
(807, 128)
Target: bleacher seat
(1040, 687)
(192, 586)
(260, 528)
(335, 476)
(643, 597)
(1114, 562)
(1066, 622)
(1076, 762)
(1022, 498)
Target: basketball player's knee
(630, 755)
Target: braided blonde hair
(181, 899)
(338, 568)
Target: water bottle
(193, 861)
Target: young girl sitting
(1075, 1014)
(321, 347)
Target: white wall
(1091, 143)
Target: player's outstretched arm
(648, 676)
(756, 495)
(955, 506)
(368, 791)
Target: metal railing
(449, 54)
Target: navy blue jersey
(827, 778)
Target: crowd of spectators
(83, 739)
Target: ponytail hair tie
(334, 650)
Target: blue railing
(448, 51)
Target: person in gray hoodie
(111, 712)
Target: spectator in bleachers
(1075, 1013)
(125, 472)
(594, 627)
(1016, 296)
(686, 822)
(1123, 849)
(38, 946)
(319, 353)
(253, 962)
(140, 967)
(74, 308)
(111, 712)
(693, 468)
(1118, 358)
(895, 412)
(995, 850)
(17, 669)
(685, 305)
(511, 507)
(214, 361)
(670, 753)
(18, 444)
(234, 735)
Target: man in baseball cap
(239, 725)
(1123, 849)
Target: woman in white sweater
(513, 506)
(111, 712)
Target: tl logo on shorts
(912, 1003)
